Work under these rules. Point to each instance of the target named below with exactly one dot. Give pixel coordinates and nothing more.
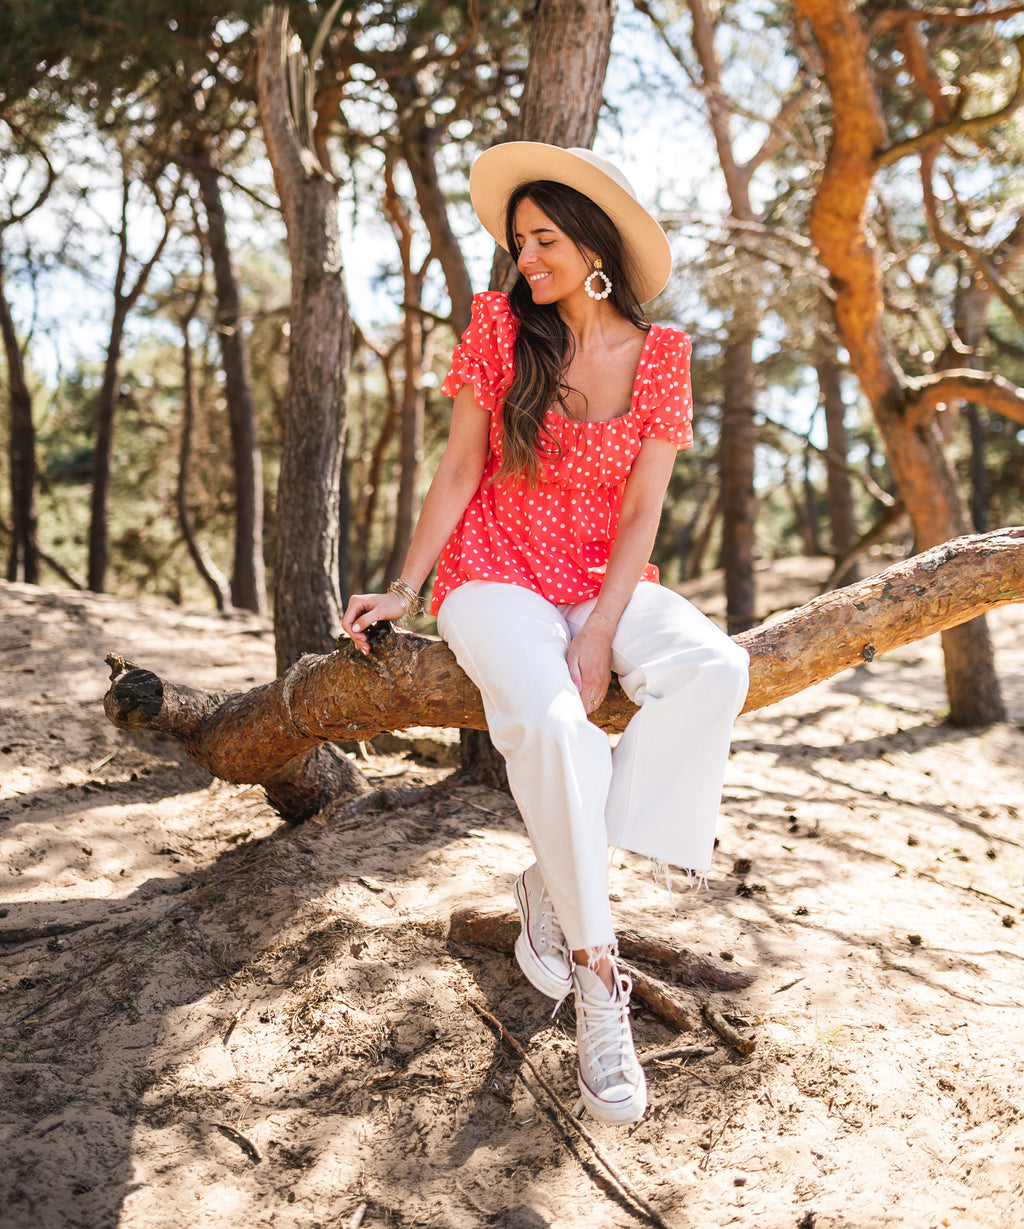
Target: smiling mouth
(536, 277)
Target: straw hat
(501, 169)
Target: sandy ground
(213, 1019)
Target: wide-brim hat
(500, 170)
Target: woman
(568, 411)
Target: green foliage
(161, 82)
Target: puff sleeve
(668, 398)
(484, 356)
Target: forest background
(841, 185)
(232, 265)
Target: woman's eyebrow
(537, 230)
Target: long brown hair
(544, 344)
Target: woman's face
(552, 264)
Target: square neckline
(641, 364)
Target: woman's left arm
(590, 653)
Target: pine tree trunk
(570, 42)
(207, 569)
(248, 582)
(23, 558)
(103, 451)
(126, 294)
(926, 482)
(970, 315)
(841, 514)
(739, 505)
(739, 370)
(307, 594)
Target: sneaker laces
(606, 1036)
(553, 937)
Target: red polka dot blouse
(556, 538)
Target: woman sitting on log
(569, 407)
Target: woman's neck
(592, 322)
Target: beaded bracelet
(407, 595)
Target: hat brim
(500, 170)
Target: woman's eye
(546, 243)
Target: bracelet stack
(407, 595)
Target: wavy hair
(544, 345)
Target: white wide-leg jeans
(658, 793)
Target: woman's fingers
(591, 673)
(358, 615)
(365, 609)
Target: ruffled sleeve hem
(483, 357)
(668, 396)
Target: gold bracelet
(407, 595)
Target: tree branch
(957, 125)
(889, 19)
(272, 735)
(926, 394)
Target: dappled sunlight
(230, 987)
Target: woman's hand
(366, 608)
(590, 660)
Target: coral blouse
(556, 538)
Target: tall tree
(307, 593)
(746, 302)
(205, 566)
(23, 557)
(248, 581)
(839, 487)
(414, 351)
(127, 289)
(903, 408)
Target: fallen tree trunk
(273, 735)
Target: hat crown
(604, 166)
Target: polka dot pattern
(556, 538)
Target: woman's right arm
(456, 481)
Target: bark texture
(248, 582)
(739, 370)
(269, 735)
(307, 590)
(23, 558)
(24, 554)
(738, 500)
(570, 43)
(925, 479)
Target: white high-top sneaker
(612, 1082)
(540, 948)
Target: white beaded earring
(598, 272)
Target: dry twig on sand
(625, 1187)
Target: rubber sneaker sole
(621, 1110)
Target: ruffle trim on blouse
(665, 380)
(483, 357)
